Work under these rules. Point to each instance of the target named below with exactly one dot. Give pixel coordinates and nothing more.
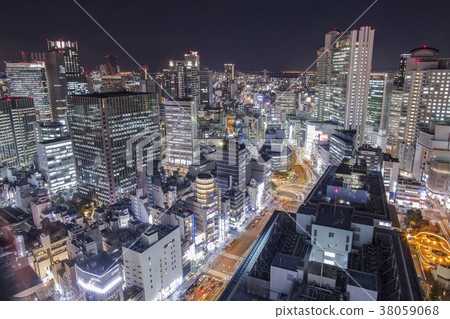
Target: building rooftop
(363, 279)
(286, 261)
(97, 264)
(335, 216)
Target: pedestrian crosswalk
(216, 274)
(231, 256)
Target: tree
(414, 218)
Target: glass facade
(113, 139)
(30, 80)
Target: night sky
(275, 34)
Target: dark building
(17, 138)
(112, 141)
(112, 67)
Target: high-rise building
(231, 163)
(76, 80)
(30, 80)
(153, 263)
(206, 89)
(113, 139)
(380, 92)
(112, 67)
(342, 146)
(343, 76)
(399, 79)
(192, 64)
(17, 140)
(56, 80)
(55, 158)
(47, 131)
(229, 71)
(184, 77)
(426, 94)
(69, 49)
(181, 135)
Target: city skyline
(133, 169)
(240, 35)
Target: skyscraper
(30, 80)
(400, 75)
(113, 140)
(192, 63)
(231, 160)
(426, 93)
(181, 135)
(184, 80)
(206, 89)
(112, 67)
(76, 81)
(57, 81)
(380, 92)
(17, 139)
(343, 76)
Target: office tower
(231, 163)
(111, 64)
(30, 80)
(18, 140)
(69, 50)
(206, 206)
(396, 122)
(426, 93)
(322, 97)
(153, 263)
(184, 79)
(177, 80)
(229, 72)
(56, 80)
(181, 135)
(76, 80)
(56, 163)
(113, 140)
(287, 102)
(343, 79)
(342, 146)
(94, 80)
(399, 79)
(192, 64)
(380, 92)
(206, 89)
(47, 131)
(112, 83)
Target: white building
(181, 135)
(57, 164)
(154, 262)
